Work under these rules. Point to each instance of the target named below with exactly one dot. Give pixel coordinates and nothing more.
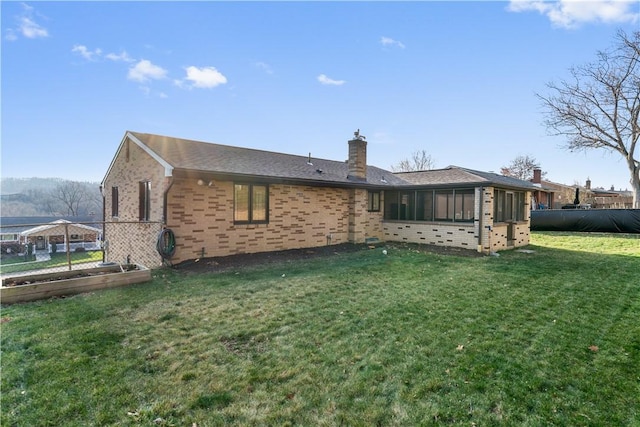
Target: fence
(76, 246)
(587, 220)
(38, 248)
(132, 242)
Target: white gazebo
(73, 235)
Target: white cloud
(322, 78)
(205, 77)
(144, 71)
(94, 55)
(122, 56)
(264, 67)
(388, 41)
(31, 30)
(26, 26)
(573, 13)
(86, 53)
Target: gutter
(195, 174)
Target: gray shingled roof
(455, 175)
(189, 155)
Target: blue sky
(456, 79)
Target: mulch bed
(240, 261)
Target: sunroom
(458, 207)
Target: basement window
(251, 204)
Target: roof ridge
(234, 147)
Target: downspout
(481, 213)
(104, 218)
(165, 201)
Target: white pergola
(63, 228)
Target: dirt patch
(434, 249)
(240, 261)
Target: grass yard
(361, 339)
(57, 260)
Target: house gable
(134, 164)
(124, 151)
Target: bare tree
(93, 201)
(599, 107)
(521, 167)
(419, 161)
(69, 196)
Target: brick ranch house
(220, 200)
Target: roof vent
(309, 161)
(319, 170)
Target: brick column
(358, 218)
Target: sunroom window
(455, 205)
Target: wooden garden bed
(40, 286)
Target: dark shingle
(189, 155)
(454, 175)
(201, 156)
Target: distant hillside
(23, 185)
(41, 197)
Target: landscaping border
(41, 286)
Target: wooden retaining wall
(42, 286)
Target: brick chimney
(537, 176)
(357, 157)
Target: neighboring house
(544, 195)
(610, 199)
(552, 195)
(43, 232)
(221, 200)
(10, 233)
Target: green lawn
(361, 339)
(57, 260)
